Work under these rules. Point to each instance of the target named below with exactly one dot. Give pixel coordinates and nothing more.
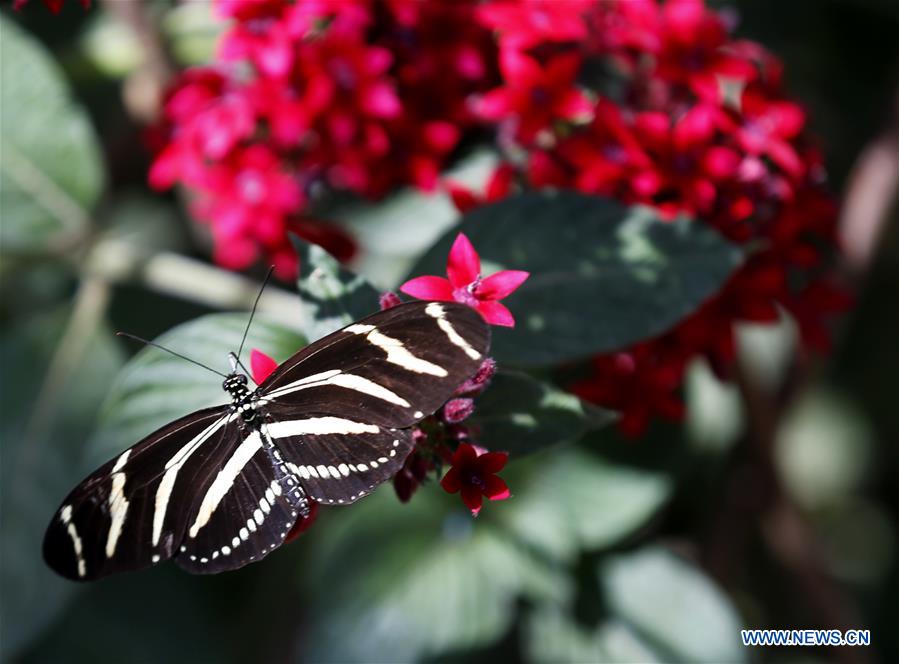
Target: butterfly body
(222, 487)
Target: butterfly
(222, 487)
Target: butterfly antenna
(155, 345)
(253, 312)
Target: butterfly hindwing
(337, 460)
(245, 512)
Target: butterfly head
(235, 384)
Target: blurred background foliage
(763, 510)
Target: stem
(87, 312)
(118, 261)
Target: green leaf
(51, 172)
(521, 415)
(552, 635)
(577, 500)
(156, 387)
(332, 295)
(673, 606)
(603, 276)
(403, 225)
(397, 582)
(657, 608)
(40, 461)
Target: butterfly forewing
(130, 512)
(395, 366)
(217, 490)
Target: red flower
(302, 524)
(499, 184)
(261, 366)
(474, 474)
(465, 284)
(414, 471)
(54, 6)
(524, 24)
(536, 94)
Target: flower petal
(471, 496)
(428, 288)
(465, 454)
(303, 523)
(464, 264)
(495, 488)
(261, 365)
(451, 482)
(496, 314)
(500, 285)
(492, 462)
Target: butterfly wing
(126, 515)
(340, 409)
(391, 368)
(245, 512)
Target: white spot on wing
(436, 311)
(225, 479)
(164, 491)
(349, 381)
(397, 353)
(121, 461)
(317, 426)
(118, 509)
(65, 516)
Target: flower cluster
(646, 101)
(696, 123)
(313, 96)
(442, 438)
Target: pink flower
(473, 473)
(261, 366)
(465, 284)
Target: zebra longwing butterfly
(221, 487)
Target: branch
(117, 261)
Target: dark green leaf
(40, 460)
(603, 276)
(332, 295)
(521, 415)
(50, 174)
(155, 387)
